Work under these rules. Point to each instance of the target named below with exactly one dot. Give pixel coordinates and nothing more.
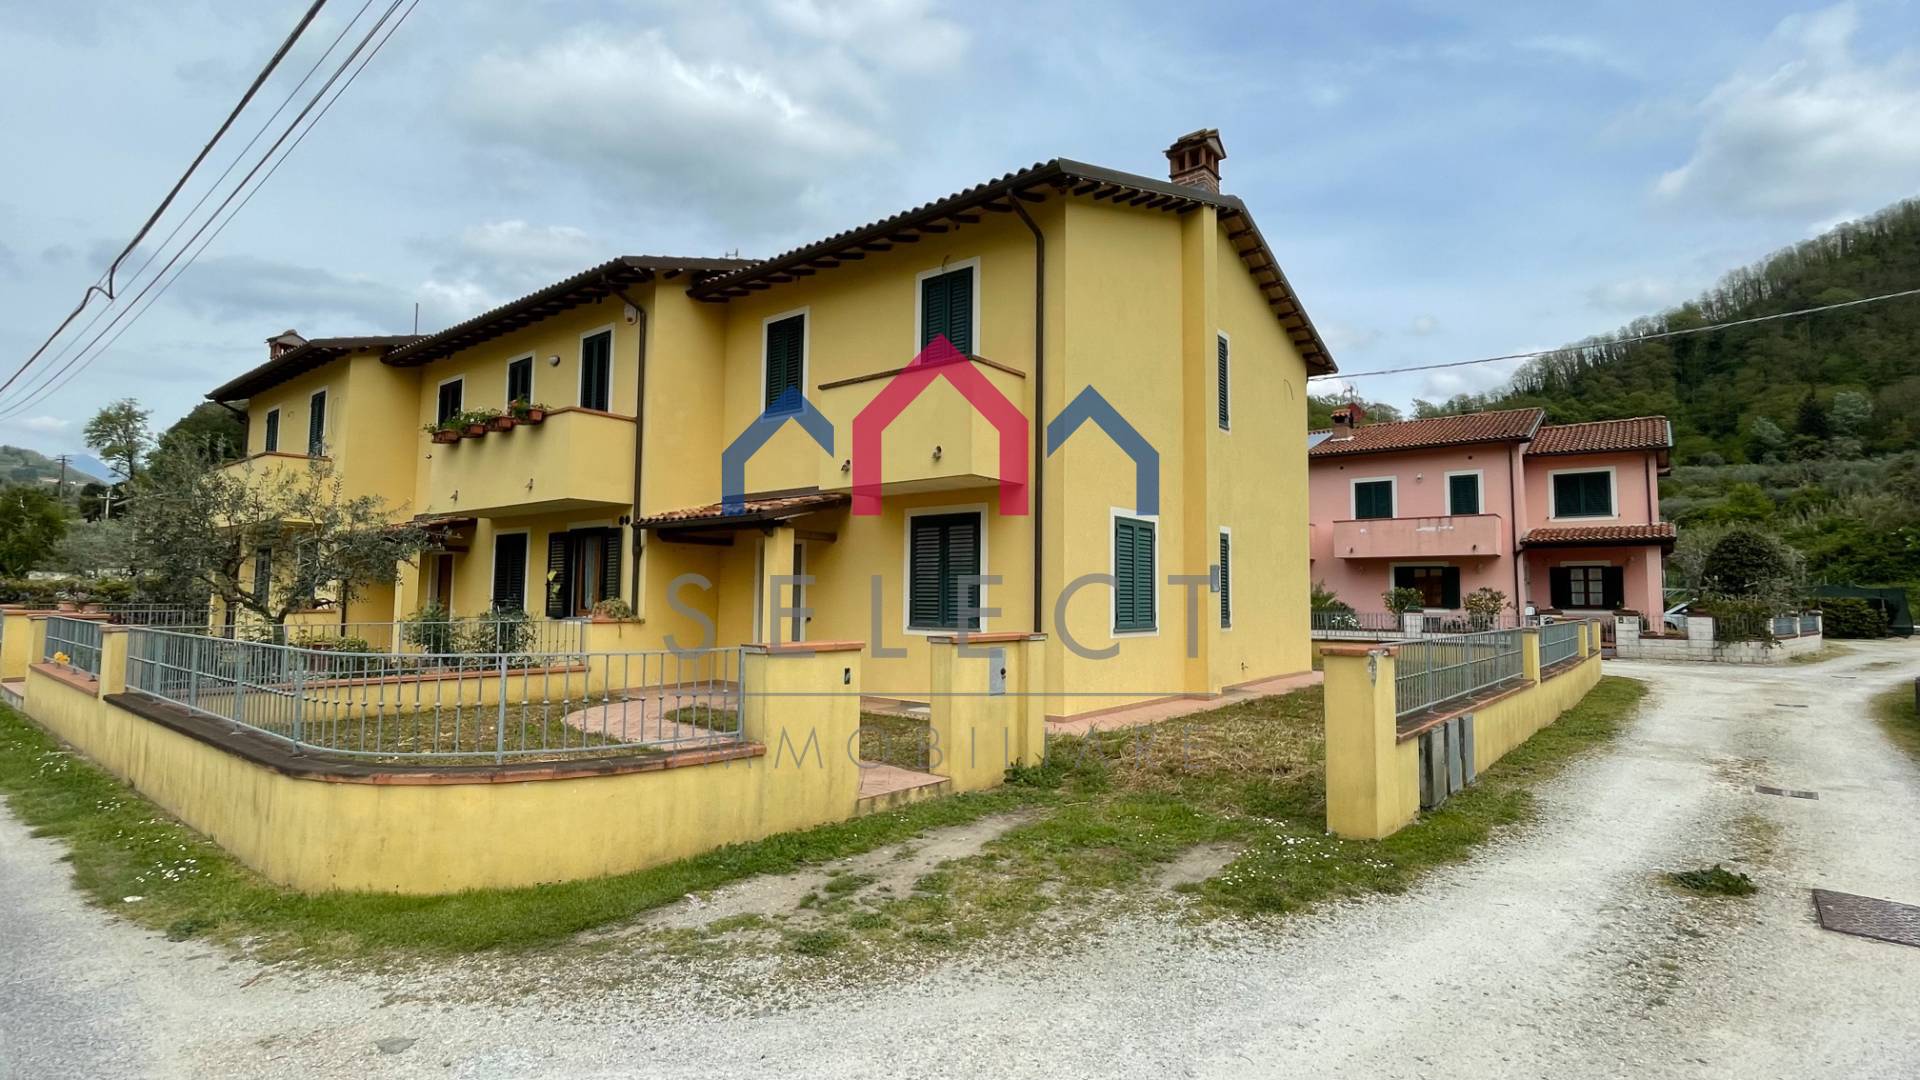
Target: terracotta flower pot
(446, 435)
(533, 416)
(66, 605)
(474, 431)
(503, 423)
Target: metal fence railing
(1376, 625)
(186, 616)
(78, 640)
(1433, 671)
(448, 708)
(1559, 641)
(476, 634)
(1809, 623)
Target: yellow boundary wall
(420, 832)
(975, 733)
(1373, 770)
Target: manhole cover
(1785, 792)
(1864, 916)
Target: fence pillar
(113, 660)
(1530, 653)
(17, 648)
(37, 637)
(987, 707)
(1373, 781)
(802, 703)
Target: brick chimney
(283, 343)
(1346, 418)
(1194, 159)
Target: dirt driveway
(1555, 952)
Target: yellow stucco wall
(1373, 777)
(317, 836)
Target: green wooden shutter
(1226, 580)
(271, 437)
(785, 341)
(1373, 499)
(317, 424)
(946, 307)
(559, 586)
(610, 567)
(1222, 381)
(1133, 607)
(1463, 494)
(963, 560)
(923, 574)
(596, 372)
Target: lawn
(1895, 711)
(1225, 806)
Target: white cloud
(515, 241)
(1342, 338)
(269, 295)
(45, 425)
(1424, 325)
(645, 119)
(1808, 132)
(1472, 379)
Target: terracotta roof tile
(1600, 436)
(1659, 531)
(772, 509)
(310, 354)
(1506, 425)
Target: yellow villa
(625, 385)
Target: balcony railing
(1451, 536)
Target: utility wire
(106, 289)
(89, 353)
(53, 369)
(1629, 340)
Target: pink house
(1557, 516)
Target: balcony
(576, 458)
(939, 441)
(1451, 537)
(281, 474)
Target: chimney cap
(287, 337)
(1349, 415)
(1194, 159)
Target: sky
(1440, 181)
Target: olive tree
(202, 532)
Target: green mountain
(1774, 390)
(23, 466)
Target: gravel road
(1556, 951)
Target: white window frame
(580, 362)
(806, 350)
(526, 577)
(1479, 490)
(326, 421)
(1227, 533)
(1114, 514)
(1353, 496)
(919, 309)
(279, 415)
(906, 567)
(533, 376)
(1613, 493)
(437, 387)
(1227, 390)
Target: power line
(107, 290)
(1630, 340)
(89, 352)
(29, 388)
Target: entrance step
(889, 787)
(14, 693)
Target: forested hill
(1742, 394)
(19, 465)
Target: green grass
(1716, 880)
(1895, 711)
(120, 846)
(894, 740)
(1105, 815)
(1828, 650)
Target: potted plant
(446, 431)
(612, 610)
(527, 413)
(503, 422)
(475, 423)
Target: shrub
(1851, 617)
(1746, 562)
(430, 629)
(1323, 599)
(1402, 600)
(613, 609)
(1484, 606)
